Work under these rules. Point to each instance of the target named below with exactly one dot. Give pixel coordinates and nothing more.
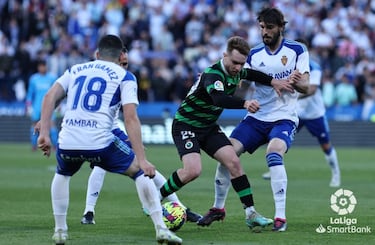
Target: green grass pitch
(26, 213)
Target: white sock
(159, 181)
(279, 182)
(333, 162)
(149, 197)
(94, 186)
(222, 185)
(60, 200)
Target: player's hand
(295, 77)
(299, 82)
(148, 168)
(44, 143)
(281, 86)
(251, 105)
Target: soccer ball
(174, 215)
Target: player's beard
(272, 41)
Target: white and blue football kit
(311, 112)
(277, 115)
(311, 109)
(96, 90)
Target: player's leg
(222, 178)
(149, 197)
(278, 145)
(60, 203)
(240, 183)
(94, 186)
(332, 161)
(119, 158)
(191, 170)
(319, 128)
(279, 182)
(222, 185)
(186, 140)
(60, 196)
(159, 181)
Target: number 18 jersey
(95, 92)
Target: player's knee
(278, 146)
(191, 171)
(234, 167)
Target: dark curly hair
(271, 15)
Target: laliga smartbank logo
(343, 202)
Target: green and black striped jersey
(198, 109)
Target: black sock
(173, 184)
(242, 186)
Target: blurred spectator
(347, 49)
(348, 69)
(345, 93)
(368, 111)
(65, 32)
(322, 40)
(22, 62)
(159, 86)
(19, 89)
(361, 82)
(57, 61)
(164, 41)
(114, 17)
(328, 90)
(181, 84)
(144, 85)
(156, 22)
(161, 79)
(194, 31)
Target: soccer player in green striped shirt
(195, 125)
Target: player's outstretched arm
(260, 77)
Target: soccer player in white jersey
(96, 178)
(95, 91)
(311, 113)
(276, 120)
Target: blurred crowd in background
(171, 41)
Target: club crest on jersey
(189, 145)
(219, 86)
(284, 60)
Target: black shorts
(190, 139)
